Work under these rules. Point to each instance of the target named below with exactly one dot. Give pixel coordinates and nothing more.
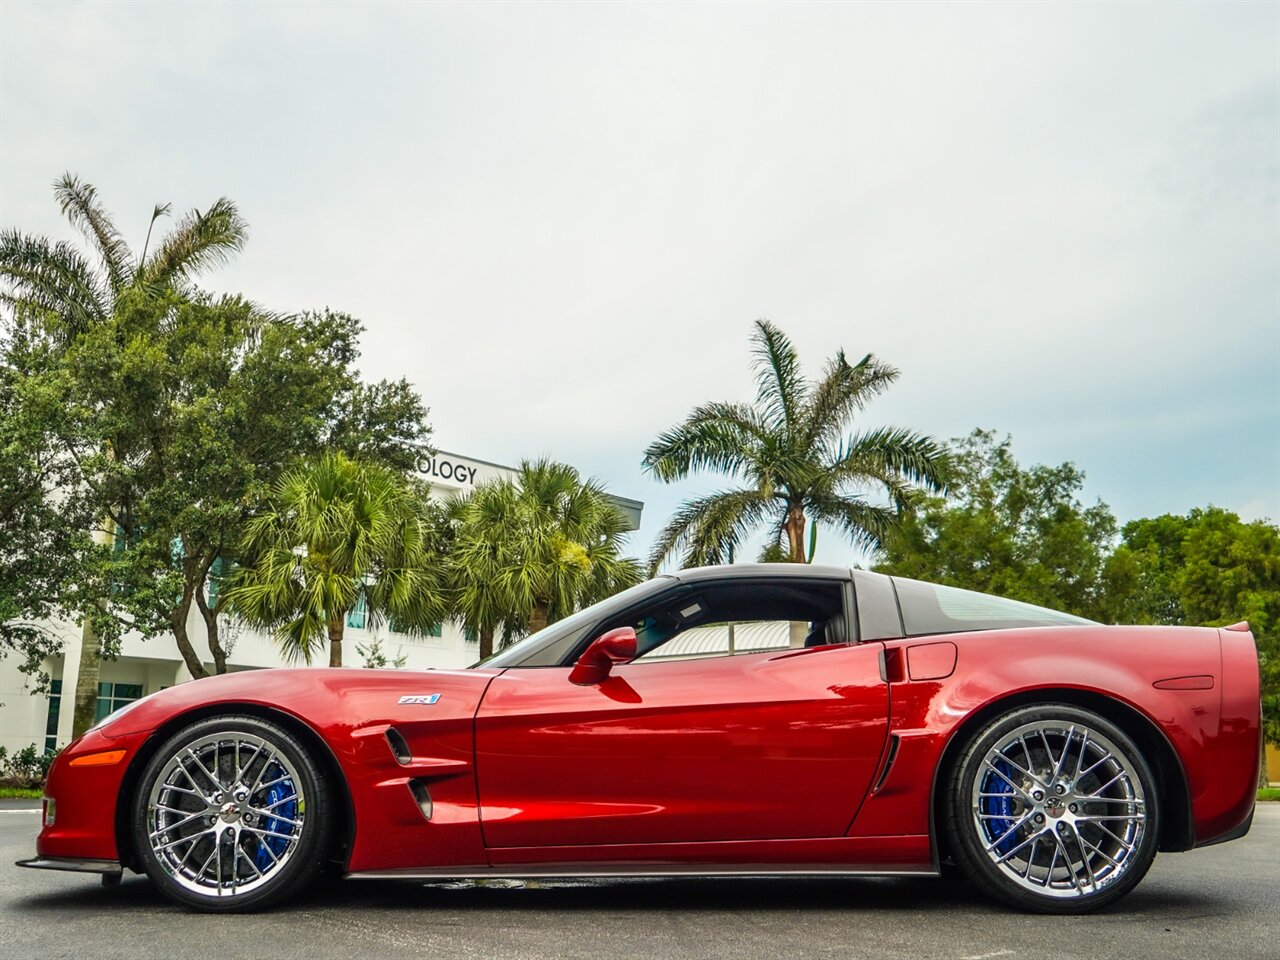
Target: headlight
(50, 811)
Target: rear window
(931, 608)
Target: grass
(34, 793)
(1269, 793)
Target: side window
(733, 637)
(929, 608)
(740, 617)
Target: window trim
(53, 715)
(701, 584)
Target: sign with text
(449, 469)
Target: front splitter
(105, 867)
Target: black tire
(272, 855)
(1020, 818)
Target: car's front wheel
(232, 813)
(1054, 809)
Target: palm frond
(705, 530)
(726, 437)
(781, 388)
(863, 524)
(53, 278)
(160, 210)
(199, 241)
(893, 452)
(844, 389)
(610, 574)
(303, 636)
(79, 203)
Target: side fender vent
(399, 747)
(888, 763)
(422, 796)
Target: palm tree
(57, 282)
(533, 549)
(482, 550)
(57, 279)
(800, 464)
(338, 532)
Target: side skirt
(566, 871)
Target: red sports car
(768, 719)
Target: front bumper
(85, 826)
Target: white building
(145, 666)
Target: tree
(529, 551)
(1016, 532)
(177, 411)
(1142, 570)
(338, 532)
(793, 448)
(1207, 568)
(44, 540)
(384, 422)
(207, 401)
(55, 285)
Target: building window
(469, 636)
(51, 725)
(113, 696)
(433, 630)
(214, 581)
(356, 615)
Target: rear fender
(996, 669)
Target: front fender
(350, 711)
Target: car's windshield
(547, 639)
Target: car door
(776, 744)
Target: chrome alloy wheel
(1059, 809)
(225, 813)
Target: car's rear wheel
(1054, 809)
(232, 813)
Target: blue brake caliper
(1000, 806)
(275, 794)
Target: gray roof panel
(736, 571)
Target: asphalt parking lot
(1221, 902)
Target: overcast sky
(559, 221)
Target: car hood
(312, 694)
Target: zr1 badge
(420, 698)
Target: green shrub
(26, 768)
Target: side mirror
(616, 646)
